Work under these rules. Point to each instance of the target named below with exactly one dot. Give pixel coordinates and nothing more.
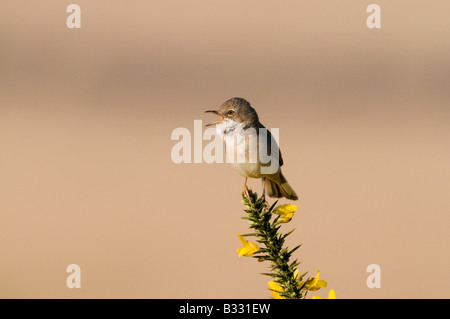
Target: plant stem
(267, 231)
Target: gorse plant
(266, 222)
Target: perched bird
(247, 145)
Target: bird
(240, 128)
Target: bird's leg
(246, 194)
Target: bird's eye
(230, 113)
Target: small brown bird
(247, 142)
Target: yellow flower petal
(253, 246)
(285, 209)
(287, 218)
(242, 239)
(331, 295)
(276, 289)
(314, 283)
(301, 283)
(249, 248)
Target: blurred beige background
(86, 117)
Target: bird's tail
(282, 189)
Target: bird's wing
(270, 140)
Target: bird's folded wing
(270, 140)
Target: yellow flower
(286, 212)
(276, 289)
(331, 295)
(249, 248)
(314, 283)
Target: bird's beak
(217, 113)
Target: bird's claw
(246, 193)
(263, 198)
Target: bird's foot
(263, 199)
(246, 192)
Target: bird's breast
(242, 152)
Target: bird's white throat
(229, 127)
